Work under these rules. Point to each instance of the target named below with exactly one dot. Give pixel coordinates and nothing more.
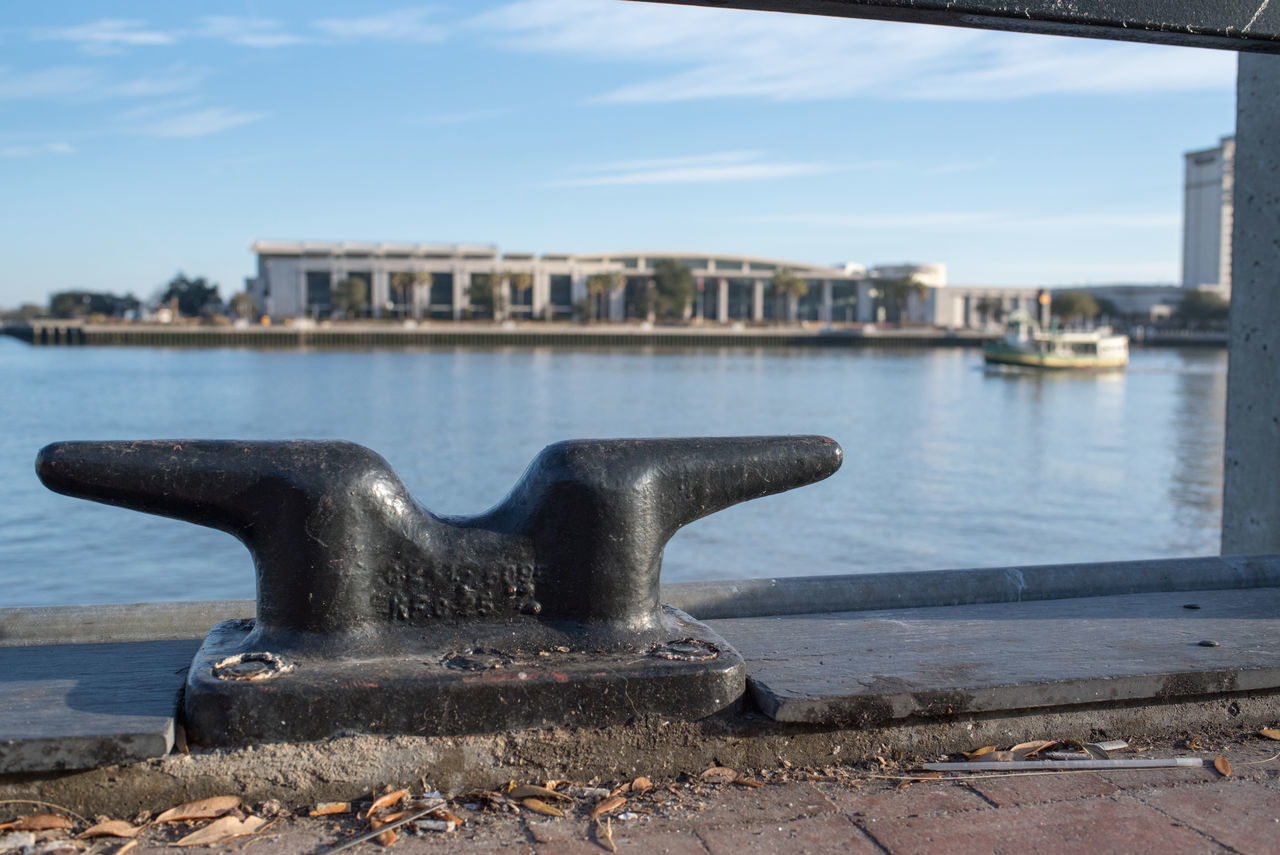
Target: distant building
(424, 280)
(978, 306)
(1136, 303)
(1208, 203)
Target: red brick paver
(916, 800)
(1095, 826)
(1241, 815)
(1015, 790)
(1144, 780)
(816, 835)
(742, 806)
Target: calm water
(947, 465)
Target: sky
(138, 140)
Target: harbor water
(947, 464)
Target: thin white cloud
(401, 25)
(54, 82)
(14, 151)
(464, 117)
(697, 169)
(719, 53)
(198, 123)
(107, 35)
(686, 161)
(72, 82)
(146, 112)
(981, 220)
(247, 31)
(174, 80)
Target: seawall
(448, 334)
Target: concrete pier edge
(719, 599)
(351, 767)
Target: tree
(674, 289)
(243, 305)
(25, 312)
(1202, 307)
(486, 293)
(1074, 306)
(402, 286)
(1107, 308)
(990, 309)
(79, 304)
(898, 292)
(787, 288)
(351, 296)
(599, 285)
(194, 296)
(522, 282)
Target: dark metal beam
(1240, 25)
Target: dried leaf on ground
(203, 809)
(604, 834)
(331, 808)
(719, 775)
(222, 829)
(533, 791)
(1032, 748)
(538, 806)
(1270, 733)
(448, 816)
(110, 828)
(387, 837)
(979, 752)
(383, 802)
(640, 786)
(125, 848)
(1223, 767)
(747, 782)
(38, 822)
(608, 805)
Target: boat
(1026, 344)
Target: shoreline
(528, 334)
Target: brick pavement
(851, 811)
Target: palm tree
(898, 293)
(402, 286)
(990, 309)
(499, 289)
(522, 282)
(599, 285)
(788, 288)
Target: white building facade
(1208, 203)
(438, 281)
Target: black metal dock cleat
(376, 616)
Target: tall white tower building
(1206, 218)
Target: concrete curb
(711, 600)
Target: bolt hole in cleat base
(376, 616)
